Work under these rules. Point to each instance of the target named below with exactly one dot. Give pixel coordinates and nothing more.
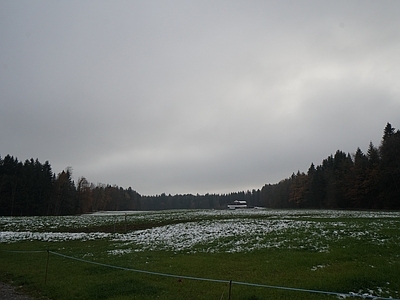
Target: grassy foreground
(367, 262)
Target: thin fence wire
(139, 271)
(230, 282)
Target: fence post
(125, 222)
(230, 289)
(47, 266)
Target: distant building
(237, 204)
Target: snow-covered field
(212, 230)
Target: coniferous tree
(64, 194)
(390, 168)
(372, 178)
(356, 179)
(9, 187)
(316, 187)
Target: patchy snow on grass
(315, 268)
(211, 230)
(218, 231)
(119, 251)
(231, 235)
(12, 236)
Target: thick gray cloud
(195, 96)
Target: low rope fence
(230, 282)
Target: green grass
(349, 266)
(69, 279)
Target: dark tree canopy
(31, 188)
(358, 181)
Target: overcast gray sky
(195, 96)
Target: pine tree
(390, 168)
(372, 178)
(356, 191)
(64, 194)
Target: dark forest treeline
(189, 201)
(31, 188)
(358, 181)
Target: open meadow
(205, 254)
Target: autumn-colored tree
(84, 196)
(299, 189)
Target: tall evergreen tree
(317, 187)
(372, 178)
(356, 178)
(9, 187)
(390, 168)
(64, 194)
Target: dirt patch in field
(9, 292)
